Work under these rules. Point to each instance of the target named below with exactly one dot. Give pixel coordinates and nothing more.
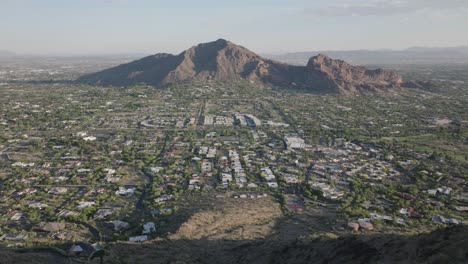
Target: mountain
(224, 61)
(341, 77)
(414, 55)
(220, 60)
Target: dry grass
(235, 219)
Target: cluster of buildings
(269, 177)
(278, 156)
(218, 120)
(239, 173)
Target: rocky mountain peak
(224, 61)
(320, 59)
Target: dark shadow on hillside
(441, 246)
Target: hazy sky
(152, 26)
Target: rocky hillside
(341, 77)
(224, 61)
(441, 246)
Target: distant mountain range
(414, 55)
(225, 61)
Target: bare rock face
(366, 225)
(224, 61)
(341, 77)
(221, 61)
(353, 226)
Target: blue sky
(273, 26)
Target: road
(139, 204)
(93, 230)
(200, 115)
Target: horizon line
(140, 53)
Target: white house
(149, 228)
(294, 142)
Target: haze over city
(273, 26)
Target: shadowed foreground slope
(441, 246)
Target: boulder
(366, 225)
(353, 226)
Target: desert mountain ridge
(224, 61)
